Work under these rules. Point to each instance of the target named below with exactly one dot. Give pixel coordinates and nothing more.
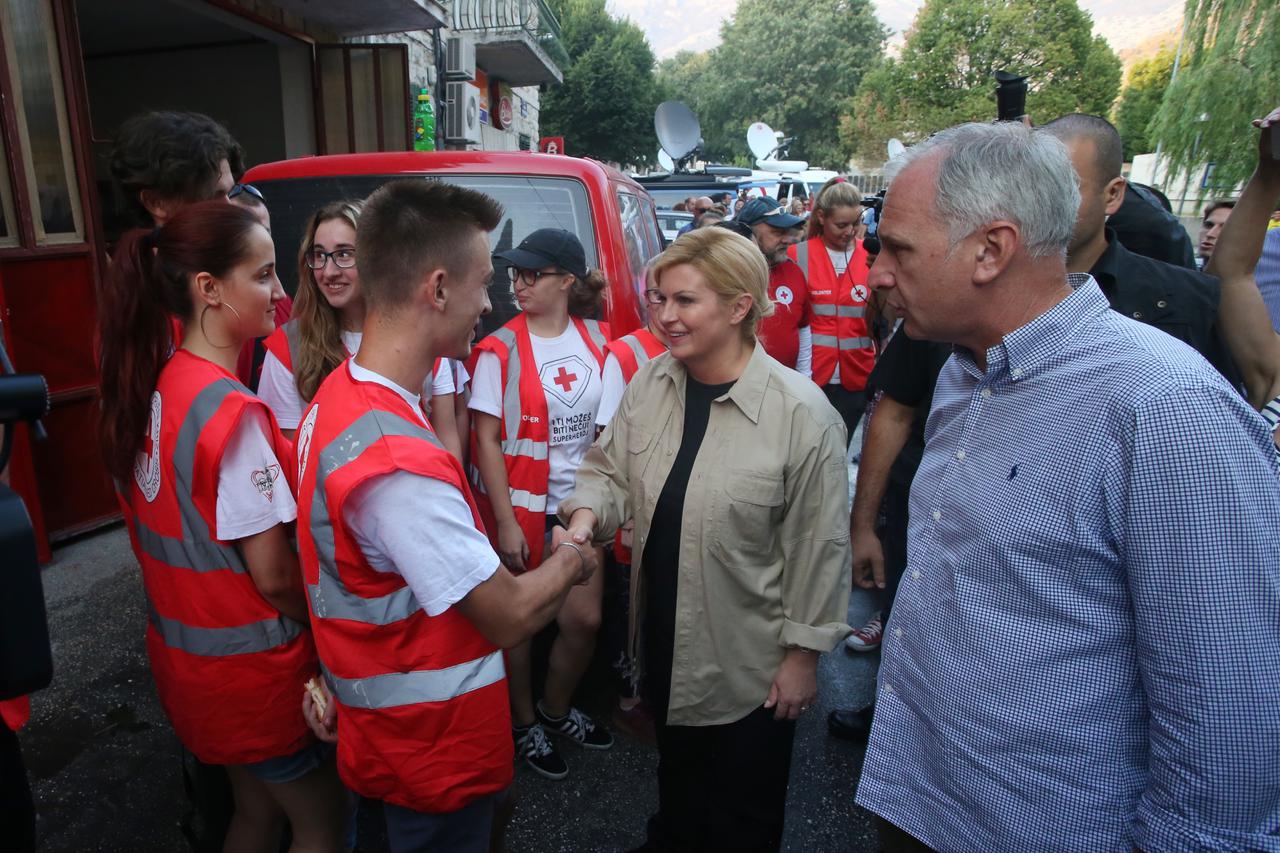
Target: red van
(612, 215)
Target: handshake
(578, 538)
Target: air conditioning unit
(460, 59)
(462, 118)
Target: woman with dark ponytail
(205, 480)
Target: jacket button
(1137, 315)
(1162, 304)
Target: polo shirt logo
(783, 295)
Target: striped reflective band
(330, 599)
(594, 332)
(202, 556)
(524, 447)
(842, 344)
(224, 642)
(854, 311)
(414, 688)
(528, 500)
(802, 258)
(511, 393)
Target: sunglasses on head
(246, 188)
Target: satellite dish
(896, 148)
(665, 161)
(762, 140)
(678, 130)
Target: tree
(1229, 74)
(790, 70)
(1139, 101)
(944, 75)
(604, 108)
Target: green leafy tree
(1229, 74)
(793, 71)
(604, 108)
(1139, 101)
(944, 75)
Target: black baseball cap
(548, 247)
(768, 210)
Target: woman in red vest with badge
(835, 267)
(327, 325)
(206, 481)
(534, 394)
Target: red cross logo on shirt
(565, 379)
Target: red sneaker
(867, 638)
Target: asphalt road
(104, 764)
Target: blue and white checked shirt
(1267, 274)
(1084, 652)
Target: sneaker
(867, 638)
(578, 727)
(538, 752)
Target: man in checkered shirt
(1084, 654)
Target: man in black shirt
(1176, 300)
(1144, 224)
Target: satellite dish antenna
(762, 140)
(665, 161)
(896, 148)
(678, 130)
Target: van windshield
(528, 203)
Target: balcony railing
(493, 17)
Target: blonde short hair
(731, 264)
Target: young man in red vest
(410, 606)
(785, 333)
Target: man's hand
(795, 687)
(868, 557)
(325, 728)
(1269, 146)
(513, 550)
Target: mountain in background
(675, 25)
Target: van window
(640, 233)
(528, 203)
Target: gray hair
(1004, 170)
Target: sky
(675, 25)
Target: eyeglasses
(343, 259)
(530, 277)
(246, 188)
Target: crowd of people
(352, 517)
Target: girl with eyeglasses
(326, 327)
(535, 393)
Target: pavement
(104, 764)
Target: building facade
(289, 78)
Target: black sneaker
(578, 727)
(538, 752)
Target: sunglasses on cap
(246, 188)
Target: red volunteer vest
(779, 333)
(524, 434)
(632, 351)
(423, 715)
(228, 666)
(839, 307)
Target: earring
(206, 334)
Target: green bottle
(424, 124)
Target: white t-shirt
(418, 527)
(572, 386)
(839, 260)
(253, 493)
(276, 387)
(612, 386)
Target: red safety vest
(633, 351)
(14, 713)
(282, 342)
(523, 432)
(228, 666)
(423, 715)
(839, 306)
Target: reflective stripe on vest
(330, 598)
(395, 689)
(843, 343)
(855, 311)
(198, 551)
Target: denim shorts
(289, 768)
